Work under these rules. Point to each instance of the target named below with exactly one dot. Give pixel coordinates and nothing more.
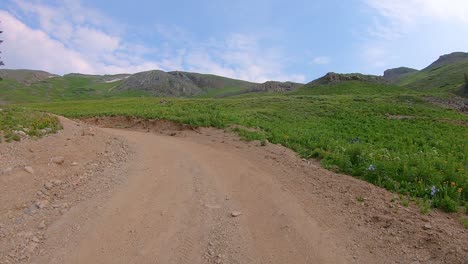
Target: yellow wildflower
(460, 190)
(452, 184)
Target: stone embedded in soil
(58, 160)
(427, 227)
(48, 185)
(236, 213)
(29, 169)
(42, 204)
(31, 247)
(56, 182)
(42, 225)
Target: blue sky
(255, 40)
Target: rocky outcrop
(332, 77)
(273, 86)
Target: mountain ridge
(444, 74)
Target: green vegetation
(443, 78)
(464, 222)
(221, 92)
(18, 121)
(404, 202)
(350, 88)
(69, 87)
(465, 87)
(424, 205)
(383, 134)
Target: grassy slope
(32, 123)
(25, 76)
(348, 131)
(214, 86)
(69, 87)
(220, 92)
(350, 88)
(445, 78)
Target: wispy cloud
(398, 17)
(69, 37)
(321, 60)
(422, 26)
(239, 56)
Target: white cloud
(68, 38)
(375, 55)
(321, 60)
(395, 18)
(410, 12)
(413, 32)
(71, 38)
(239, 56)
(93, 41)
(27, 48)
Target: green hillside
(350, 88)
(25, 77)
(443, 78)
(446, 74)
(68, 87)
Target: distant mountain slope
(397, 73)
(39, 86)
(26, 77)
(273, 86)
(187, 84)
(159, 83)
(52, 88)
(108, 78)
(210, 81)
(445, 74)
(333, 78)
(448, 59)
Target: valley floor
(204, 196)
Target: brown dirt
(139, 197)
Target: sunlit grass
(410, 144)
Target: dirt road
(177, 206)
(211, 198)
